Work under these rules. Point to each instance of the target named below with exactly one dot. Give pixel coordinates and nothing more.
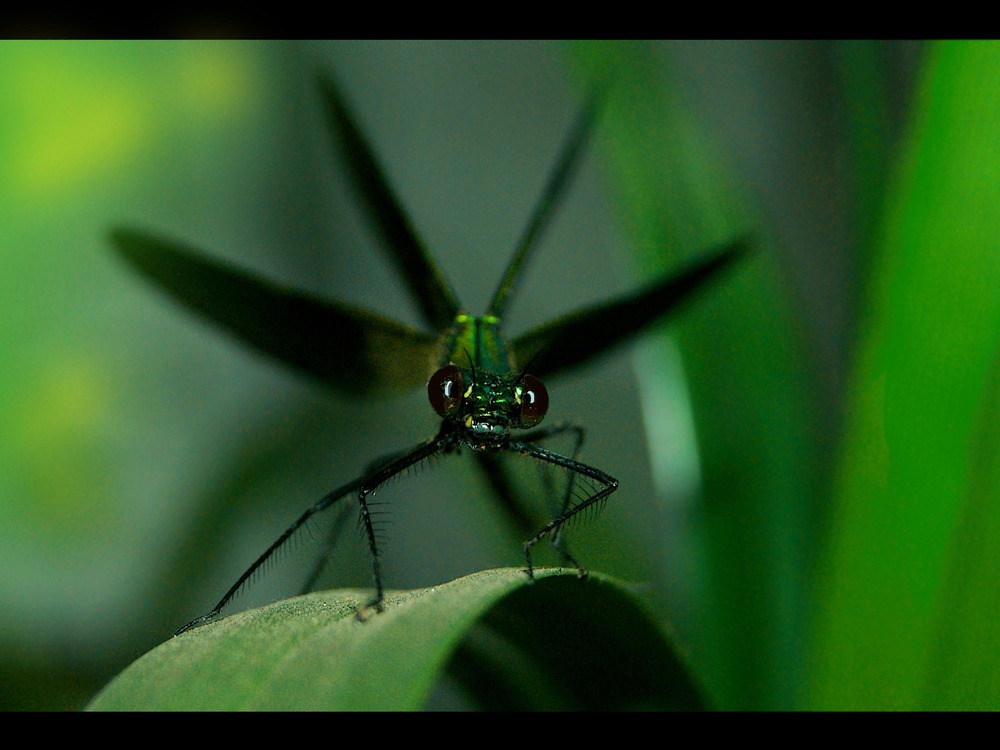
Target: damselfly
(486, 389)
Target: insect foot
(373, 607)
(197, 622)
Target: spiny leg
(322, 504)
(511, 498)
(323, 558)
(609, 485)
(556, 537)
(364, 485)
(366, 518)
(444, 441)
(338, 526)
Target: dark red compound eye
(534, 401)
(444, 390)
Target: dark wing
(347, 348)
(418, 269)
(573, 339)
(563, 172)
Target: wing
(555, 187)
(347, 348)
(418, 269)
(573, 339)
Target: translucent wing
(352, 350)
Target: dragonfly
(486, 389)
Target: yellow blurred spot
(55, 436)
(69, 125)
(75, 113)
(67, 398)
(214, 81)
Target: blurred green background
(808, 463)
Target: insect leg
(502, 484)
(338, 527)
(609, 485)
(324, 557)
(364, 485)
(556, 539)
(322, 504)
(444, 441)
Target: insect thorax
(478, 343)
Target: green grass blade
(964, 663)
(863, 72)
(745, 376)
(311, 653)
(926, 358)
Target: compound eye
(444, 390)
(534, 401)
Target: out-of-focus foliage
(92, 483)
(905, 617)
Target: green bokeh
(927, 348)
(91, 133)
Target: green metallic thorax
(478, 342)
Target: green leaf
(964, 664)
(743, 368)
(561, 643)
(925, 364)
